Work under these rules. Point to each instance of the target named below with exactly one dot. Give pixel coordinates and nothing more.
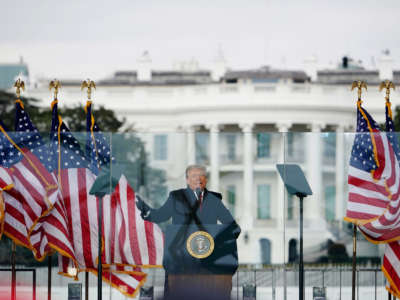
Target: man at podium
(197, 250)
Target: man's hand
(143, 207)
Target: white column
(191, 144)
(313, 204)
(214, 156)
(339, 174)
(281, 203)
(248, 178)
(280, 199)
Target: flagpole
(86, 285)
(49, 277)
(359, 85)
(353, 277)
(19, 85)
(387, 85)
(13, 272)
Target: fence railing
(270, 283)
(278, 282)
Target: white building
(240, 125)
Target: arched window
(292, 250)
(265, 246)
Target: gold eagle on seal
(200, 244)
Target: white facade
(217, 110)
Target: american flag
(391, 258)
(51, 232)
(374, 177)
(138, 242)
(34, 190)
(129, 241)
(385, 228)
(373, 172)
(6, 183)
(76, 180)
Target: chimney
(144, 67)
(219, 66)
(310, 67)
(385, 66)
(345, 62)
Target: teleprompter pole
(99, 266)
(301, 265)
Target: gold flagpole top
(386, 85)
(89, 84)
(359, 85)
(56, 85)
(19, 84)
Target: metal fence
(271, 283)
(278, 282)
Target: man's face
(196, 179)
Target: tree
(127, 147)
(396, 119)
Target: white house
(240, 124)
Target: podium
(200, 262)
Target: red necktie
(200, 200)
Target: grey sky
(94, 38)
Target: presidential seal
(200, 244)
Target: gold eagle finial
(386, 85)
(359, 85)
(19, 84)
(89, 84)
(56, 85)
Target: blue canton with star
(391, 135)
(27, 136)
(362, 154)
(9, 155)
(97, 151)
(72, 155)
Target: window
(329, 139)
(265, 246)
(231, 145)
(290, 207)
(231, 196)
(290, 144)
(160, 147)
(263, 201)
(292, 251)
(330, 194)
(263, 145)
(202, 148)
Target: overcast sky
(80, 39)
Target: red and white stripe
(385, 212)
(34, 216)
(5, 184)
(391, 266)
(125, 281)
(131, 240)
(33, 195)
(81, 214)
(370, 194)
(54, 233)
(127, 239)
